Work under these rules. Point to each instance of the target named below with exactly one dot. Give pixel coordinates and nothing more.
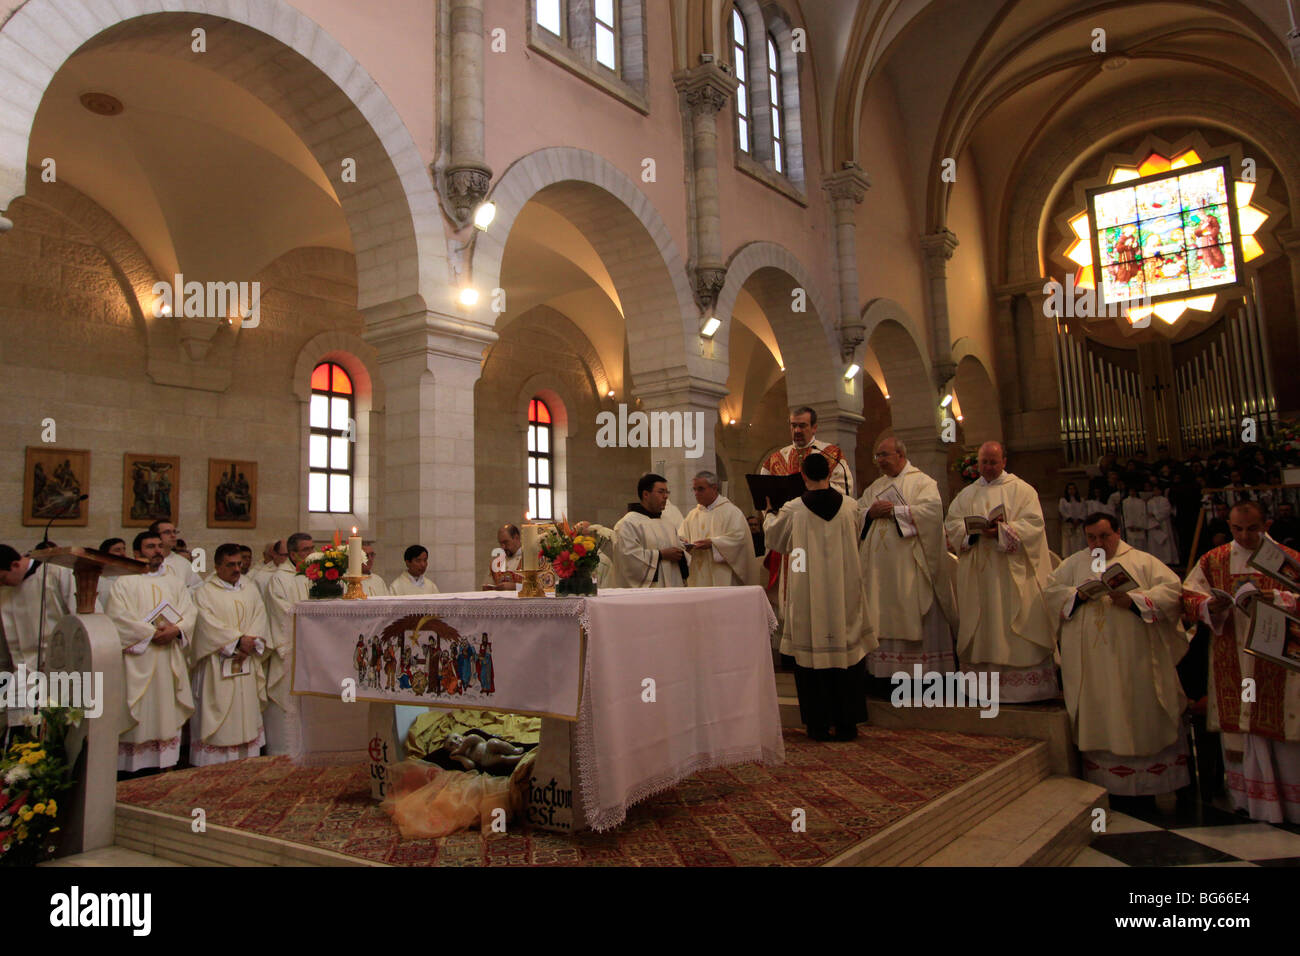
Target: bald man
(1004, 627)
(504, 568)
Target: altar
(640, 689)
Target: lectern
(87, 643)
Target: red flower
(313, 571)
(579, 549)
(563, 556)
(332, 574)
(18, 802)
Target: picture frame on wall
(53, 480)
(232, 493)
(151, 489)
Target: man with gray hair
(722, 550)
(905, 568)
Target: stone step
(920, 835)
(1047, 826)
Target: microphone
(45, 536)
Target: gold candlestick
(531, 588)
(355, 591)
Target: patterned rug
(737, 816)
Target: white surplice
(826, 622)
(405, 584)
(183, 570)
(373, 585)
(906, 573)
(730, 562)
(158, 695)
(638, 538)
(1004, 624)
(1119, 671)
(1072, 536)
(1133, 515)
(1161, 540)
(227, 723)
(284, 589)
(20, 621)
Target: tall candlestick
(532, 545)
(356, 557)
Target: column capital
(399, 332)
(706, 88)
(938, 248)
(670, 390)
(847, 185)
(1004, 293)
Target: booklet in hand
(163, 615)
(1274, 635)
(1246, 595)
(1114, 580)
(233, 668)
(975, 524)
(1276, 563)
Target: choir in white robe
(227, 723)
(285, 588)
(20, 620)
(638, 538)
(405, 584)
(183, 569)
(158, 695)
(373, 585)
(730, 562)
(906, 572)
(1072, 536)
(1120, 676)
(1004, 625)
(1161, 540)
(1133, 515)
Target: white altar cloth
(708, 653)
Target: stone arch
(977, 396)
(1057, 158)
(894, 339)
(809, 346)
(289, 62)
(562, 327)
(644, 263)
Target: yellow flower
(39, 808)
(35, 756)
(52, 809)
(55, 829)
(25, 814)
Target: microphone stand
(45, 573)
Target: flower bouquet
(574, 553)
(324, 569)
(1285, 442)
(968, 467)
(33, 771)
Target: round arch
(894, 339)
(318, 88)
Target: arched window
(541, 474)
(739, 59)
(551, 16)
(606, 24)
(776, 100)
(330, 459)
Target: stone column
(429, 363)
(689, 396)
(838, 426)
(938, 248)
(468, 177)
(929, 453)
(846, 189)
(705, 89)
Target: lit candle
(356, 557)
(532, 545)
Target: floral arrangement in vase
(1285, 442)
(34, 771)
(574, 554)
(968, 467)
(324, 569)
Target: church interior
(390, 270)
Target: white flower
(18, 772)
(6, 820)
(32, 720)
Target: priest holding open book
(1118, 611)
(996, 527)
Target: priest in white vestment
(826, 627)
(155, 616)
(1161, 540)
(722, 552)
(1260, 736)
(1004, 626)
(231, 642)
(373, 585)
(1133, 515)
(22, 581)
(285, 588)
(505, 567)
(415, 579)
(1119, 657)
(276, 555)
(1072, 510)
(905, 568)
(176, 563)
(647, 548)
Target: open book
(1246, 595)
(163, 614)
(975, 524)
(235, 668)
(894, 496)
(1273, 561)
(1114, 580)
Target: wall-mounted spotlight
(947, 400)
(852, 371)
(468, 296)
(711, 325)
(484, 214)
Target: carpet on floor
(734, 816)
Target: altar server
(826, 627)
(180, 566)
(373, 585)
(1118, 665)
(647, 548)
(285, 588)
(1261, 735)
(155, 616)
(22, 580)
(723, 550)
(414, 580)
(1072, 510)
(1161, 540)
(1004, 626)
(905, 568)
(230, 652)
